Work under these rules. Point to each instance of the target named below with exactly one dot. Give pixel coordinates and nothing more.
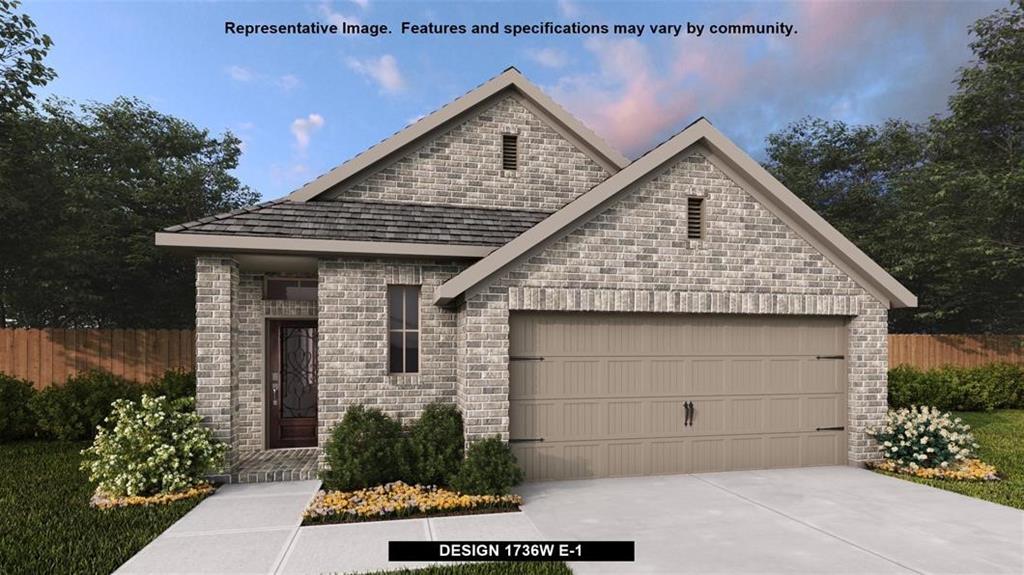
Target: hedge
(951, 388)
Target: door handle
(687, 413)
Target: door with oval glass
(291, 383)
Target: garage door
(601, 395)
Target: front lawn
(46, 524)
(1000, 436)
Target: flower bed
(399, 500)
(968, 470)
(102, 500)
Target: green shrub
(154, 445)
(436, 442)
(16, 419)
(490, 468)
(366, 448)
(982, 388)
(72, 411)
(173, 384)
(923, 437)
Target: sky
(304, 104)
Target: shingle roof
(369, 221)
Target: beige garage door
(598, 395)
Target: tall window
(403, 329)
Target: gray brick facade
(630, 258)
(463, 166)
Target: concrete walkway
(819, 520)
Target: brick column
(483, 365)
(216, 292)
(867, 365)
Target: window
(509, 151)
(294, 289)
(403, 329)
(694, 218)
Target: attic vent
(694, 218)
(509, 151)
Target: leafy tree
(940, 205)
(22, 50)
(83, 191)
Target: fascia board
(247, 244)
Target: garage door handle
(840, 428)
(527, 440)
(830, 357)
(687, 413)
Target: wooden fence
(47, 356)
(927, 351)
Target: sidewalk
(254, 528)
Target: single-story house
(681, 312)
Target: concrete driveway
(816, 520)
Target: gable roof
(738, 166)
(511, 79)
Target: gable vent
(694, 218)
(509, 151)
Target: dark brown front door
(291, 383)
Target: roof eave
(276, 245)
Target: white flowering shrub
(155, 445)
(924, 437)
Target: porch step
(273, 465)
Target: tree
(940, 205)
(22, 50)
(84, 190)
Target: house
(682, 312)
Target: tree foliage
(22, 50)
(941, 204)
(84, 188)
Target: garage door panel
(608, 396)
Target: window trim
(404, 330)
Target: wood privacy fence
(48, 356)
(928, 351)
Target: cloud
(859, 63)
(240, 74)
(336, 18)
(549, 57)
(361, 3)
(288, 82)
(568, 8)
(384, 71)
(302, 129)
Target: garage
(620, 394)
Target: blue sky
(302, 105)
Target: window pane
(412, 352)
(395, 352)
(394, 307)
(278, 289)
(291, 289)
(412, 308)
(300, 293)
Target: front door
(291, 383)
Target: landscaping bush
(173, 384)
(436, 442)
(490, 468)
(366, 449)
(73, 411)
(982, 388)
(154, 445)
(16, 420)
(924, 437)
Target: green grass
(1000, 436)
(497, 568)
(46, 524)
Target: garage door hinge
(840, 428)
(526, 358)
(830, 357)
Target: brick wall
(354, 340)
(631, 258)
(462, 167)
(216, 289)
